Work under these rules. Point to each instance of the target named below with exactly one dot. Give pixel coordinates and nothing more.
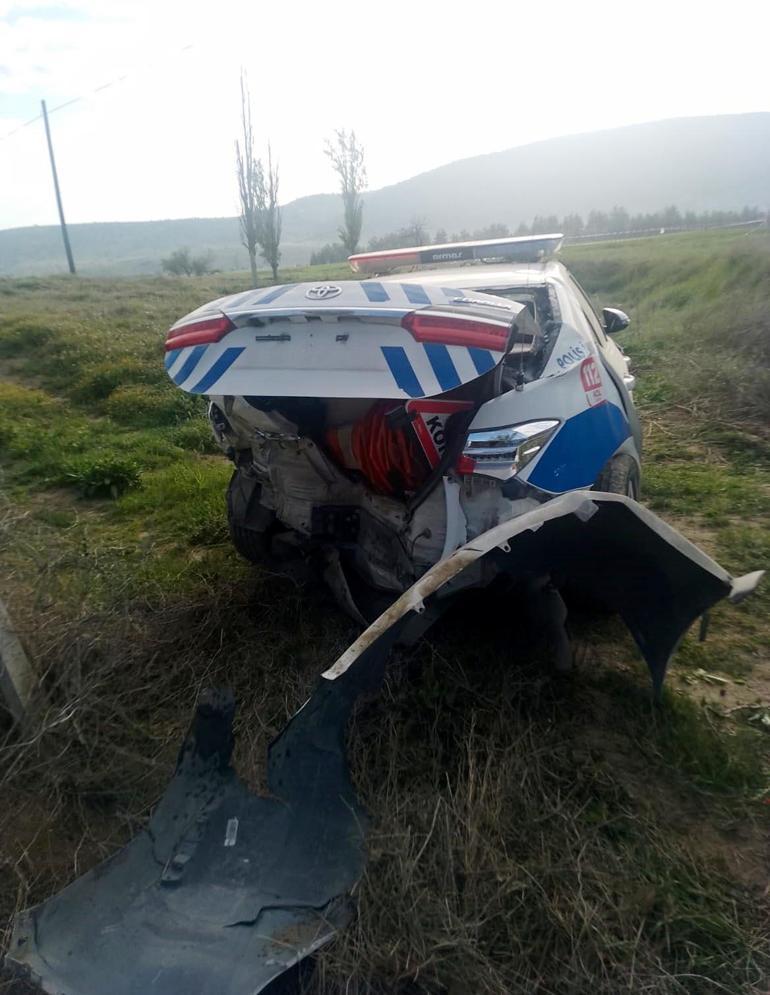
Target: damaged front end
(224, 892)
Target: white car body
(333, 350)
(581, 339)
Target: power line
(75, 100)
(39, 117)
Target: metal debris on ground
(703, 675)
(761, 718)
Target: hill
(711, 163)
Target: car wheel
(251, 545)
(251, 525)
(620, 476)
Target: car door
(614, 359)
(611, 351)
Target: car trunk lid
(365, 339)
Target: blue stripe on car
(442, 364)
(189, 364)
(402, 370)
(171, 358)
(274, 294)
(483, 359)
(375, 291)
(221, 366)
(579, 450)
(415, 294)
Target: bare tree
(416, 231)
(347, 158)
(269, 215)
(251, 182)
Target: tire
(620, 475)
(251, 525)
(251, 545)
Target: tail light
(451, 329)
(503, 452)
(201, 332)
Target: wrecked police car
(379, 425)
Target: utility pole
(64, 235)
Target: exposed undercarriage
(375, 481)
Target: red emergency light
(525, 249)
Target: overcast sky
(423, 82)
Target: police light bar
(524, 249)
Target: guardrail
(611, 236)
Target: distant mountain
(700, 164)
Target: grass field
(528, 834)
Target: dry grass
(532, 835)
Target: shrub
(197, 487)
(102, 475)
(101, 379)
(21, 336)
(195, 435)
(146, 405)
(181, 263)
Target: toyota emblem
(323, 292)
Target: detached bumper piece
(607, 546)
(224, 891)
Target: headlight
(503, 452)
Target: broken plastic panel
(224, 892)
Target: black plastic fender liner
(225, 891)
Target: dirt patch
(739, 845)
(729, 696)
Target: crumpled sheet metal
(224, 891)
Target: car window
(526, 296)
(589, 313)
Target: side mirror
(614, 320)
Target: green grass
(50, 443)
(527, 834)
(184, 501)
(718, 494)
(689, 741)
(700, 333)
